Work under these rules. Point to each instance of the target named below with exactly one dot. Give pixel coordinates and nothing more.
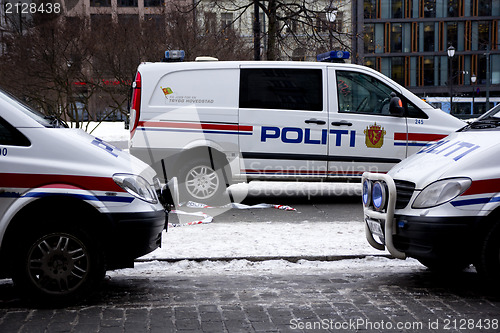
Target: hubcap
(58, 263)
(202, 182)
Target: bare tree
(291, 24)
(78, 71)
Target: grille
(404, 192)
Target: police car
(213, 123)
(442, 205)
(71, 206)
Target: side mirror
(396, 106)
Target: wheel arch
(26, 220)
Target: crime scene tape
(205, 218)
(191, 204)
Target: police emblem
(374, 136)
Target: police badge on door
(374, 136)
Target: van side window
(361, 93)
(10, 136)
(281, 88)
(414, 112)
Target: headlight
(441, 192)
(367, 192)
(136, 186)
(379, 195)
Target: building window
(428, 8)
(128, 20)
(321, 23)
(127, 3)
(484, 7)
(397, 8)
(100, 3)
(396, 37)
(370, 9)
(451, 34)
(210, 25)
(429, 37)
(397, 69)
(429, 71)
(153, 3)
(262, 22)
(453, 8)
(226, 20)
(290, 89)
(483, 35)
(369, 43)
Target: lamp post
(331, 15)
(451, 54)
(473, 79)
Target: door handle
(315, 121)
(341, 123)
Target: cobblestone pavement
(403, 300)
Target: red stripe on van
(20, 180)
(484, 186)
(226, 127)
(419, 136)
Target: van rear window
(281, 88)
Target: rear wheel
(200, 182)
(57, 266)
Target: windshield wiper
(485, 123)
(56, 122)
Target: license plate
(375, 228)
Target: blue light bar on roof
(174, 55)
(333, 56)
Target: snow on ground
(241, 239)
(260, 239)
(107, 130)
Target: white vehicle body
(273, 121)
(442, 204)
(71, 206)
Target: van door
(286, 109)
(364, 136)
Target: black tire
(199, 182)
(444, 265)
(58, 266)
(488, 264)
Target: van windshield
(47, 121)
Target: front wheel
(447, 265)
(57, 267)
(489, 256)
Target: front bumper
(133, 235)
(436, 237)
(417, 236)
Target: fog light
(379, 196)
(367, 190)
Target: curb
(292, 259)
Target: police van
(214, 123)
(442, 205)
(71, 206)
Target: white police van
(213, 123)
(71, 206)
(442, 205)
